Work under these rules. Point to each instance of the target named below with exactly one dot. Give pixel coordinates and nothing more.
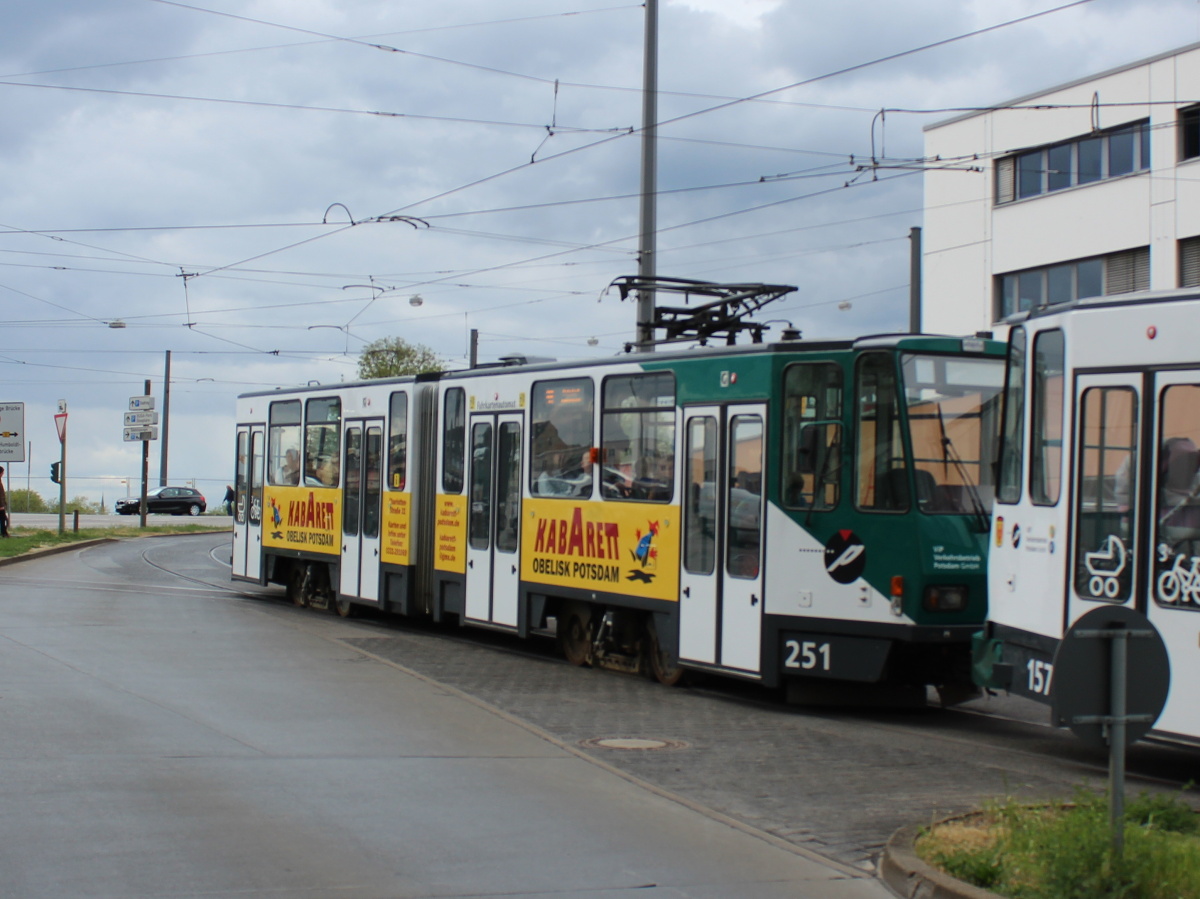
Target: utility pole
(166, 421)
(914, 281)
(145, 470)
(647, 264)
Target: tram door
(721, 577)
(362, 462)
(1106, 523)
(494, 520)
(1173, 575)
(247, 512)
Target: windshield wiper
(950, 453)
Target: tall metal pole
(914, 281)
(649, 224)
(166, 422)
(145, 471)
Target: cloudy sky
(263, 186)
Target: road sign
(60, 422)
(141, 418)
(141, 433)
(140, 403)
(1083, 671)
(12, 432)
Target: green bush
(1063, 850)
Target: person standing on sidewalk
(3, 507)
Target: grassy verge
(1062, 850)
(22, 540)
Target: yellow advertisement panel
(397, 528)
(303, 518)
(626, 548)
(450, 533)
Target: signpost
(12, 432)
(1103, 648)
(60, 422)
(141, 424)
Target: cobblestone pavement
(836, 783)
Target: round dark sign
(1082, 674)
(845, 557)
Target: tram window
(700, 510)
(561, 438)
(283, 443)
(637, 433)
(353, 468)
(1012, 432)
(1045, 452)
(952, 407)
(812, 435)
(508, 487)
(242, 476)
(398, 442)
(479, 527)
(371, 485)
(256, 477)
(743, 537)
(1107, 493)
(1177, 506)
(881, 473)
(454, 446)
(322, 441)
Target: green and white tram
(1097, 497)
(774, 512)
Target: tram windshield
(953, 405)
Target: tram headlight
(945, 598)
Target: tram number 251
(807, 655)
(1039, 676)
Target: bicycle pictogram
(1179, 584)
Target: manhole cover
(642, 744)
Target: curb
(55, 550)
(97, 541)
(908, 876)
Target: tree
(388, 357)
(22, 500)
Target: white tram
(1098, 496)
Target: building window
(1108, 154)
(1098, 276)
(1189, 133)
(1189, 262)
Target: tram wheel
(296, 590)
(574, 631)
(663, 666)
(343, 607)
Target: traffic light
(54, 472)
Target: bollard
(76, 525)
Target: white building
(1085, 189)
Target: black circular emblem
(845, 557)
(1016, 536)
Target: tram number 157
(1040, 675)
(807, 655)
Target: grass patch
(1062, 850)
(22, 540)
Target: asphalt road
(168, 735)
(42, 520)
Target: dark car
(165, 501)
